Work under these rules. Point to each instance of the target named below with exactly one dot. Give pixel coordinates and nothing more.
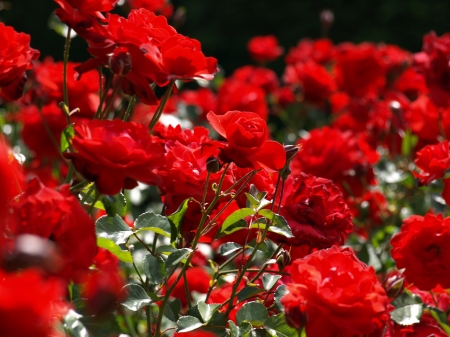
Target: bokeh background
(224, 27)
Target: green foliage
(154, 269)
(253, 312)
(137, 297)
(67, 134)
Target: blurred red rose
(197, 333)
(90, 7)
(339, 295)
(82, 93)
(411, 83)
(160, 7)
(37, 125)
(57, 216)
(321, 51)
(433, 63)
(434, 161)
(15, 58)
(359, 68)
(315, 211)
(115, 154)
(30, 304)
(204, 99)
(198, 280)
(264, 48)
(343, 157)
(247, 140)
(235, 94)
(422, 249)
(316, 83)
(261, 77)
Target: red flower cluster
(434, 161)
(16, 57)
(338, 294)
(421, 248)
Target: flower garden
(146, 194)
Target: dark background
(225, 26)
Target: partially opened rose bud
(212, 165)
(326, 18)
(283, 259)
(394, 284)
(33, 251)
(120, 61)
(291, 151)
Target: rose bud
(212, 165)
(283, 259)
(120, 61)
(326, 18)
(394, 284)
(296, 316)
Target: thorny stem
(189, 258)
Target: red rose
(434, 161)
(198, 280)
(15, 58)
(263, 78)
(321, 51)
(57, 216)
(90, 7)
(339, 294)
(359, 69)
(433, 63)
(204, 99)
(160, 7)
(315, 211)
(264, 48)
(235, 94)
(83, 93)
(343, 157)
(248, 144)
(30, 305)
(316, 83)
(115, 154)
(422, 249)
(35, 133)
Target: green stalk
(160, 109)
(66, 62)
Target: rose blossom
(57, 216)
(264, 48)
(434, 161)
(15, 58)
(115, 154)
(248, 144)
(315, 211)
(339, 295)
(422, 249)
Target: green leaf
(113, 228)
(252, 201)
(252, 312)
(229, 248)
(115, 204)
(74, 325)
(177, 256)
(153, 222)
(176, 218)
(241, 224)
(67, 134)
(241, 330)
(276, 326)
(440, 317)
(407, 315)
(269, 280)
(247, 292)
(137, 297)
(406, 298)
(236, 216)
(154, 269)
(207, 310)
(281, 226)
(257, 333)
(188, 323)
(172, 310)
(165, 249)
(111, 246)
(279, 293)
